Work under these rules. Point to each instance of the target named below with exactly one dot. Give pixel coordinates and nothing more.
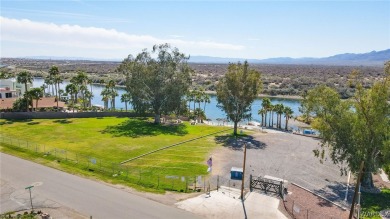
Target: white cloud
(91, 41)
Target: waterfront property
(10, 88)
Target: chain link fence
(143, 177)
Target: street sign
(28, 187)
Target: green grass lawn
(111, 140)
(372, 204)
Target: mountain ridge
(373, 58)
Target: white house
(9, 88)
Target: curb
(320, 196)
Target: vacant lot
(113, 140)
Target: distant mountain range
(349, 59)
(371, 58)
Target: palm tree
(89, 96)
(72, 90)
(265, 104)
(271, 109)
(36, 94)
(114, 94)
(106, 95)
(90, 81)
(125, 98)
(44, 86)
(49, 81)
(83, 89)
(25, 77)
(57, 79)
(189, 98)
(288, 112)
(81, 79)
(261, 112)
(111, 88)
(279, 109)
(206, 99)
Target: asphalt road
(85, 196)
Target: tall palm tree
(36, 94)
(114, 94)
(83, 89)
(271, 109)
(279, 109)
(49, 81)
(189, 98)
(125, 98)
(25, 77)
(89, 96)
(90, 81)
(72, 90)
(206, 99)
(266, 104)
(44, 86)
(106, 95)
(81, 81)
(262, 112)
(111, 88)
(288, 112)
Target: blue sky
(250, 29)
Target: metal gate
(268, 184)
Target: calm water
(212, 111)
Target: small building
(10, 88)
(236, 173)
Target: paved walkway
(226, 203)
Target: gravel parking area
(282, 155)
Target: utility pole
(29, 189)
(357, 188)
(243, 174)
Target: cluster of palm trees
(79, 87)
(269, 109)
(198, 97)
(109, 93)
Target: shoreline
(287, 97)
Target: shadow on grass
(237, 142)
(62, 121)
(12, 121)
(32, 123)
(137, 127)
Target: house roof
(7, 103)
(45, 102)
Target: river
(212, 111)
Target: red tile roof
(45, 102)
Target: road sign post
(29, 189)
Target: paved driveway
(285, 156)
